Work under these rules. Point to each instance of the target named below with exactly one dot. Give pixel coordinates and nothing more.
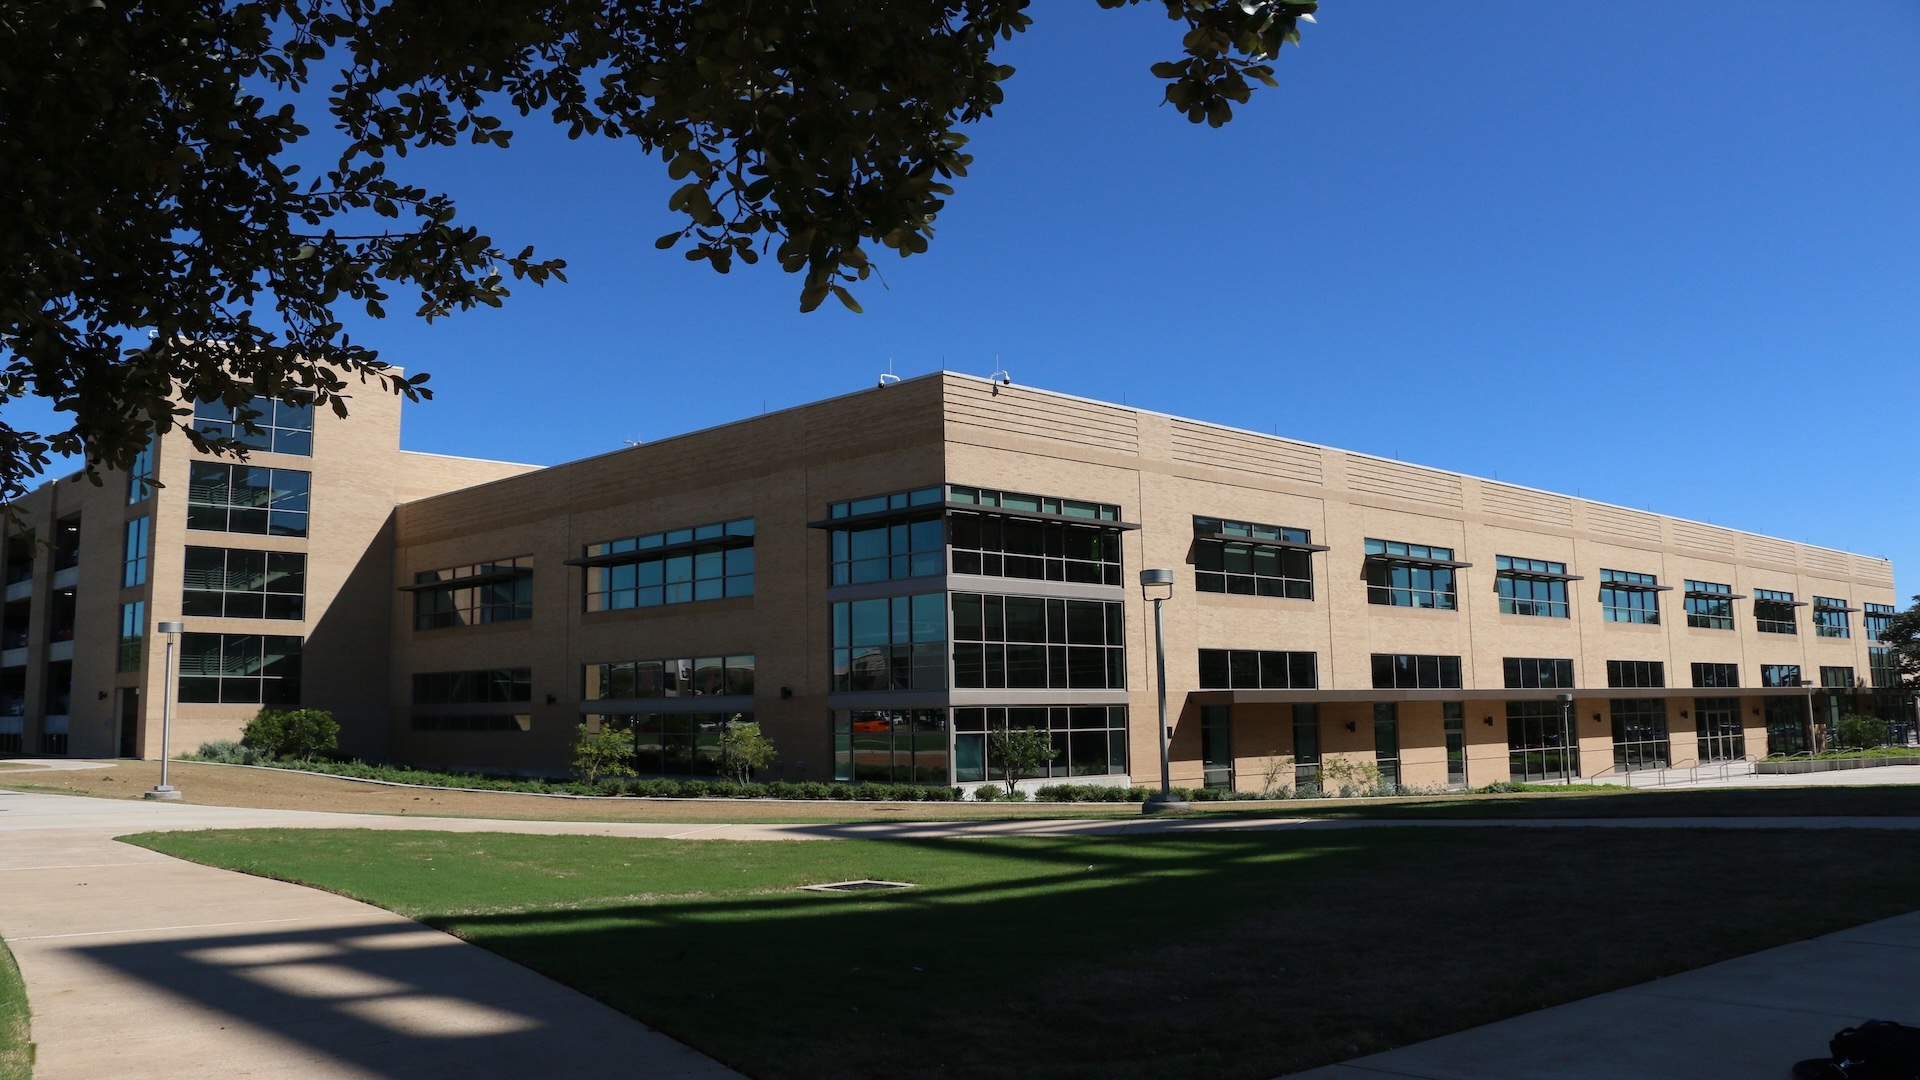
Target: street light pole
(166, 790)
(1164, 800)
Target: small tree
(743, 749)
(1020, 753)
(298, 733)
(601, 753)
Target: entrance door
(130, 722)
(1456, 725)
(1787, 726)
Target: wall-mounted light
(1756, 710)
(786, 692)
(103, 695)
(1350, 726)
(551, 700)
(1683, 714)
(1487, 720)
(1596, 718)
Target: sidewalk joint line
(192, 926)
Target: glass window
(1876, 619)
(1709, 605)
(1216, 746)
(1041, 504)
(1405, 575)
(884, 551)
(1773, 612)
(1403, 671)
(487, 722)
(892, 643)
(1254, 566)
(1246, 669)
(489, 592)
(996, 546)
(1629, 597)
(1088, 740)
(1640, 734)
(680, 566)
(1882, 668)
(1721, 736)
(234, 583)
(278, 426)
(1779, 674)
(140, 474)
(487, 686)
(240, 669)
(1716, 675)
(1531, 587)
(1527, 672)
(1636, 673)
(1032, 642)
(1830, 617)
(874, 504)
(1837, 678)
(1540, 742)
(1787, 731)
(133, 631)
(138, 548)
(676, 744)
(247, 499)
(692, 676)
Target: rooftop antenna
(888, 376)
(634, 442)
(1000, 377)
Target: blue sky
(1665, 256)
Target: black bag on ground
(1876, 1050)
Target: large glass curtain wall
(1540, 742)
(677, 744)
(1640, 734)
(1787, 726)
(1720, 734)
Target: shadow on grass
(1207, 954)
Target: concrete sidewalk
(1747, 1018)
(143, 967)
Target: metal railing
(1694, 769)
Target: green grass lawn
(1219, 955)
(1886, 800)
(16, 1049)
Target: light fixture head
(1156, 577)
(172, 628)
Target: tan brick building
(880, 578)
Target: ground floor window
(12, 728)
(890, 746)
(1787, 726)
(1216, 746)
(1455, 722)
(1306, 747)
(1640, 734)
(675, 744)
(240, 669)
(1089, 740)
(1721, 736)
(1540, 743)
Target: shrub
(986, 793)
(871, 792)
(298, 733)
(228, 752)
(699, 789)
(1861, 732)
(1016, 795)
(752, 791)
(813, 789)
(839, 791)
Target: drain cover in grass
(862, 885)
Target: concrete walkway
(142, 966)
(1747, 1018)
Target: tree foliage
(744, 750)
(1020, 753)
(602, 753)
(1902, 635)
(161, 230)
(296, 733)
